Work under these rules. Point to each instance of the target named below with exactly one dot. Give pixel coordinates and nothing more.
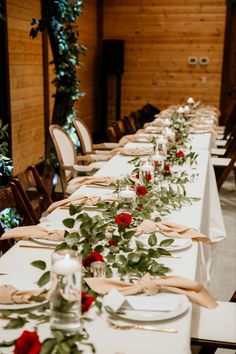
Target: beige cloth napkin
(10, 295)
(171, 229)
(150, 286)
(77, 182)
(80, 199)
(32, 232)
(135, 151)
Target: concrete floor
(223, 272)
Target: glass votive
(127, 194)
(98, 269)
(65, 303)
(158, 160)
(146, 172)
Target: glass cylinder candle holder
(98, 269)
(169, 135)
(146, 172)
(65, 303)
(161, 145)
(127, 194)
(158, 160)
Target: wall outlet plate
(203, 60)
(192, 60)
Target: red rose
(27, 343)
(86, 301)
(177, 139)
(93, 257)
(141, 190)
(112, 243)
(148, 176)
(167, 169)
(123, 219)
(137, 175)
(180, 153)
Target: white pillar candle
(66, 266)
(180, 110)
(190, 100)
(147, 168)
(158, 157)
(127, 194)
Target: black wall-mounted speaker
(113, 56)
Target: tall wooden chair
(68, 160)
(33, 192)
(10, 198)
(86, 140)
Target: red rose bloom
(141, 190)
(167, 169)
(180, 153)
(177, 139)
(137, 175)
(112, 243)
(93, 257)
(86, 301)
(148, 176)
(123, 219)
(27, 343)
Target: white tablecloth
(204, 215)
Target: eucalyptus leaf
(69, 222)
(152, 240)
(39, 264)
(167, 242)
(48, 346)
(14, 323)
(44, 279)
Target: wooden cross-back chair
(33, 192)
(11, 198)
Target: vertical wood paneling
(26, 84)
(159, 37)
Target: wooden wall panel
(26, 84)
(159, 37)
(88, 72)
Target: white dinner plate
(44, 241)
(177, 245)
(20, 285)
(147, 316)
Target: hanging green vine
(59, 19)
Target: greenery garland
(59, 20)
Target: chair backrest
(230, 123)
(84, 135)
(65, 151)
(224, 172)
(10, 198)
(33, 192)
(112, 135)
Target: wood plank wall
(159, 37)
(26, 79)
(26, 84)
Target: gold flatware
(39, 247)
(144, 327)
(171, 256)
(96, 186)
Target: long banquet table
(204, 215)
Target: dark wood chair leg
(207, 350)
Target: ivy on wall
(59, 19)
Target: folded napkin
(80, 181)
(10, 295)
(34, 231)
(80, 199)
(171, 229)
(136, 151)
(150, 286)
